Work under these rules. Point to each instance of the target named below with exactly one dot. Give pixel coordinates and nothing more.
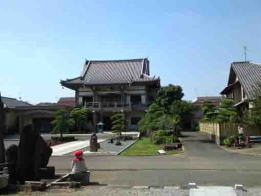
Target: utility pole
(245, 52)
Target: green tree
(208, 110)
(167, 95)
(182, 110)
(252, 115)
(62, 122)
(81, 116)
(150, 122)
(118, 123)
(227, 112)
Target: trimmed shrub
(228, 141)
(162, 137)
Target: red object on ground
(78, 155)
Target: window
(136, 99)
(135, 120)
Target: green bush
(168, 140)
(161, 137)
(228, 141)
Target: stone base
(47, 173)
(4, 180)
(83, 178)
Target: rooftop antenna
(245, 52)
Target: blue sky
(189, 43)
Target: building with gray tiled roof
(115, 86)
(13, 103)
(244, 82)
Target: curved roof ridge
(117, 60)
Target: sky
(190, 43)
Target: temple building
(110, 86)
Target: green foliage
(208, 110)
(252, 116)
(151, 119)
(62, 122)
(118, 123)
(167, 95)
(228, 141)
(168, 111)
(145, 147)
(227, 112)
(181, 113)
(165, 122)
(81, 116)
(161, 137)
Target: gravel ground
(107, 148)
(128, 191)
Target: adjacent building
(244, 82)
(18, 114)
(197, 104)
(112, 86)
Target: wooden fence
(219, 131)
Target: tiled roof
(113, 72)
(66, 101)
(13, 103)
(45, 104)
(213, 99)
(249, 76)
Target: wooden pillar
(76, 98)
(122, 96)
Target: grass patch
(145, 147)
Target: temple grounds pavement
(202, 162)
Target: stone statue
(94, 145)
(33, 154)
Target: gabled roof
(66, 101)
(13, 103)
(215, 100)
(248, 75)
(111, 72)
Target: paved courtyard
(149, 191)
(202, 162)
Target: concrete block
(192, 185)
(239, 187)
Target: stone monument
(94, 145)
(33, 154)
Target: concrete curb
(238, 151)
(127, 147)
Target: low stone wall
(219, 131)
